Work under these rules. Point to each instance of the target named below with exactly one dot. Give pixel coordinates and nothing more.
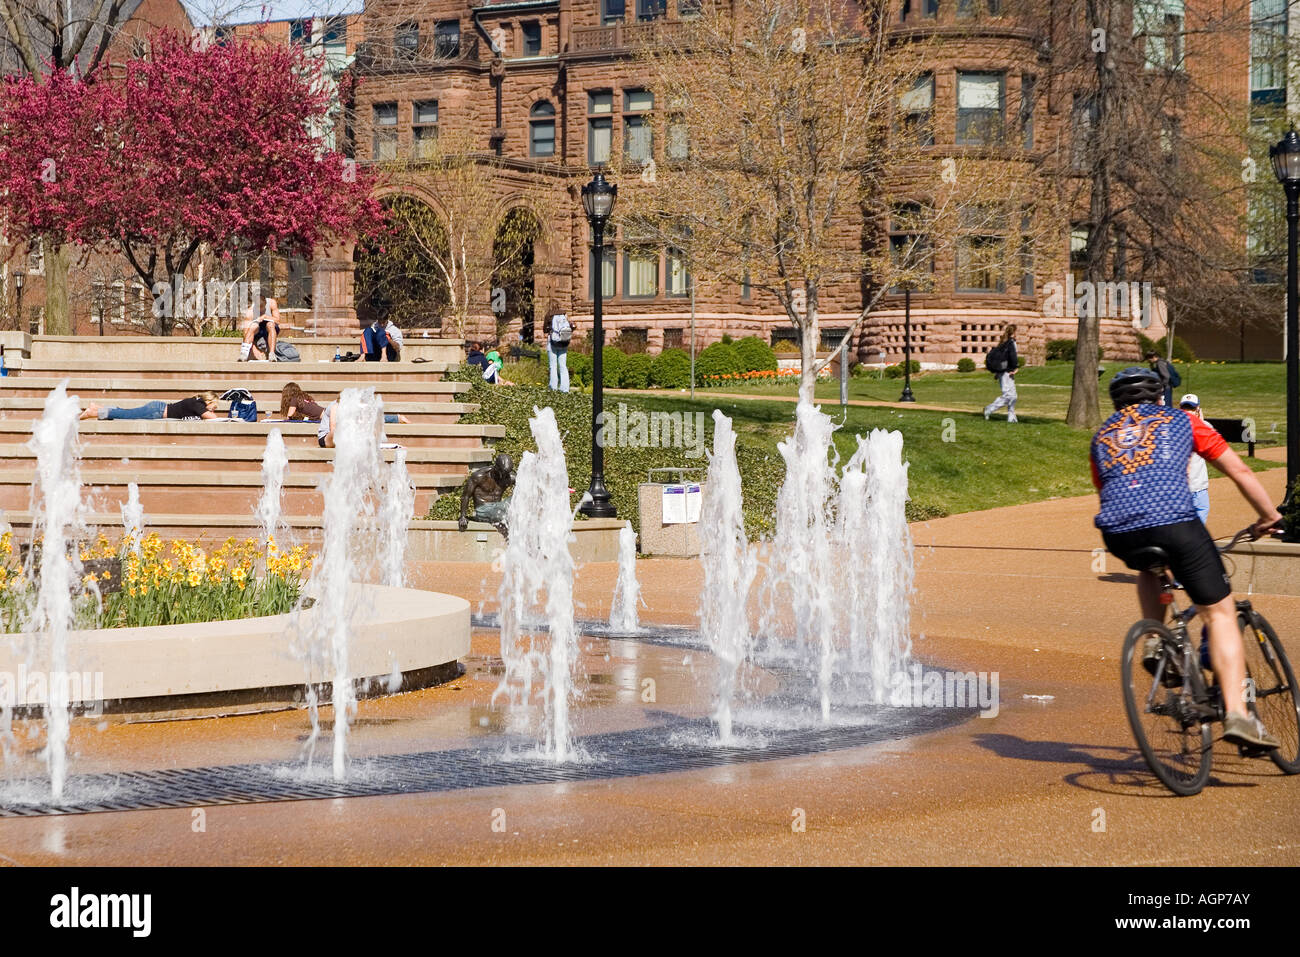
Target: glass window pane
(543, 138)
(600, 135)
(641, 272)
(678, 279)
(920, 96)
(635, 101)
(612, 11)
(979, 91)
(426, 111)
(637, 144)
(602, 102)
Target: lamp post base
(597, 503)
(907, 395)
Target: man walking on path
(1162, 368)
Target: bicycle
(1171, 705)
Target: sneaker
(986, 415)
(1173, 674)
(1011, 418)
(1243, 729)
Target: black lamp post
(907, 346)
(1285, 155)
(18, 294)
(598, 202)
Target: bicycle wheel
(1170, 731)
(1274, 688)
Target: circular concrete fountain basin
(401, 637)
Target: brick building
(564, 95)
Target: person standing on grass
(559, 332)
(1003, 362)
(1198, 475)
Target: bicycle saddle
(1148, 559)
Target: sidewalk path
(1052, 779)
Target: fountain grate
(654, 750)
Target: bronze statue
(488, 486)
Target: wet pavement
(1053, 778)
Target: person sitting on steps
(261, 333)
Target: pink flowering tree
(197, 145)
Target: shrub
(636, 372)
(966, 364)
(717, 360)
(726, 339)
(671, 369)
(527, 372)
(786, 347)
(1065, 350)
(755, 355)
(612, 360)
(579, 368)
(1182, 351)
(896, 371)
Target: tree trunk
(58, 319)
(809, 339)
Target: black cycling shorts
(1193, 557)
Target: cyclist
(1139, 460)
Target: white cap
(1190, 399)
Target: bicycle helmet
(1135, 384)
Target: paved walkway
(793, 399)
(1009, 590)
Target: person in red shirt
(1139, 463)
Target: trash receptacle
(670, 514)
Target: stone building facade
(551, 87)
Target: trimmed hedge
(612, 360)
(671, 369)
(1066, 349)
(636, 372)
(896, 371)
(755, 355)
(718, 359)
(966, 364)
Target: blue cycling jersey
(1139, 458)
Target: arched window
(541, 129)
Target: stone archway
(396, 277)
(514, 257)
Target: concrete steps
(203, 492)
(216, 349)
(206, 474)
(27, 408)
(159, 437)
(219, 376)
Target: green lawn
(1227, 390)
(958, 461)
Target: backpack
(1175, 380)
(996, 359)
(242, 404)
(286, 352)
(376, 340)
(561, 331)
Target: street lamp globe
(1285, 154)
(598, 200)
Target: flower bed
(161, 583)
(753, 376)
